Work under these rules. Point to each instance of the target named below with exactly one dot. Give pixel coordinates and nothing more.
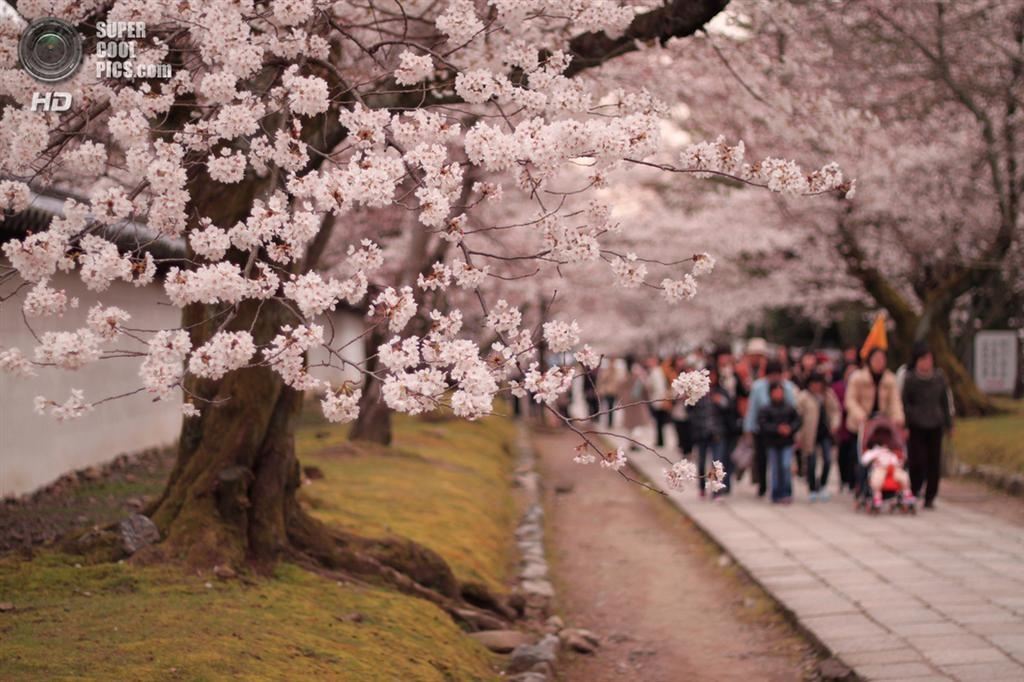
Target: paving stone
(1011, 643)
(894, 671)
(843, 626)
(852, 645)
(964, 656)
(862, 658)
(982, 672)
(961, 640)
(924, 629)
(986, 629)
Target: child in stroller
(884, 480)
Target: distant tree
(922, 103)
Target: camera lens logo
(50, 50)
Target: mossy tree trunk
(231, 495)
(374, 421)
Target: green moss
(995, 441)
(116, 621)
(445, 485)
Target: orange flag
(876, 337)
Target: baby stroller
(894, 494)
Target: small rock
(582, 641)
(480, 620)
(538, 587)
(137, 531)
(555, 623)
(6, 606)
(528, 531)
(534, 570)
(579, 645)
(724, 560)
(224, 572)
(135, 503)
(749, 602)
(526, 656)
(528, 481)
(501, 641)
(834, 670)
(517, 602)
(528, 677)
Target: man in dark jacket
(715, 422)
(928, 414)
(778, 422)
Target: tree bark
(931, 326)
(231, 495)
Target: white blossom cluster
(691, 386)
(484, 118)
(681, 473)
(778, 175)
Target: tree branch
(676, 19)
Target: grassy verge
(443, 484)
(995, 441)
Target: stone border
(1007, 482)
(532, 662)
(533, 578)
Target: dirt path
(636, 572)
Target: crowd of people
(776, 416)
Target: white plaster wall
(346, 329)
(35, 450)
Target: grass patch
(443, 484)
(995, 441)
(115, 621)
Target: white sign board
(995, 361)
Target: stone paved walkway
(936, 596)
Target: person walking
(726, 393)
(656, 386)
(846, 442)
(610, 380)
(759, 399)
(807, 366)
(679, 414)
(872, 391)
(928, 413)
(820, 413)
(778, 422)
(632, 396)
(715, 424)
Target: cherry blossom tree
(384, 136)
(922, 103)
